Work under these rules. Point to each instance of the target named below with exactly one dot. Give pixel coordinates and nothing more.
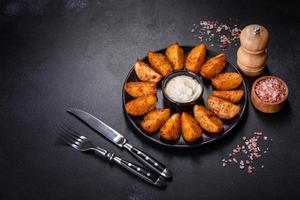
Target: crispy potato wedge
(175, 55)
(141, 105)
(145, 72)
(227, 81)
(139, 89)
(224, 109)
(191, 130)
(207, 119)
(155, 119)
(172, 128)
(233, 96)
(213, 66)
(160, 63)
(196, 58)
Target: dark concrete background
(76, 53)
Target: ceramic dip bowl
(182, 89)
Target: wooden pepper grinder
(252, 54)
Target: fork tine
(67, 135)
(66, 127)
(70, 135)
(75, 135)
(66, 139)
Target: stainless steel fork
(82, 143)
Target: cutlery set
(156, 176)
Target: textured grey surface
(60, 54)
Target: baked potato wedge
(213, 66)
(172, 128)
(224, 109)
(160, 63)
(227, 81)
(207, 120)
(191, 130)
(195, 58)
(139, 89)
(145, 72)
(155, 119)
(233, 96)
(175, 55)
(141, 105)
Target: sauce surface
(183, 89)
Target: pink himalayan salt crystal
(270, 90)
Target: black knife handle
(144, 174)
(140, 172)
(149, 161)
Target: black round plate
(206, 137)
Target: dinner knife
(120, 141)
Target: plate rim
(194, 145)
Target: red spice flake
(270, 90)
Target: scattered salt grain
(241, 162)
(215, 31)
(248, 153)
(235, 160)
(258, 133)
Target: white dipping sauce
(183, 89)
